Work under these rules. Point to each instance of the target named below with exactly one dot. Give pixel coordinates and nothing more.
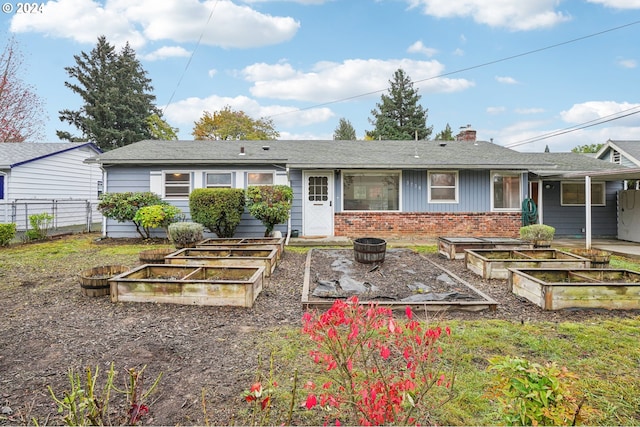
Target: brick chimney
(466, 134)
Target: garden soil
(207, 355)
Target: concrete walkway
(616, 247)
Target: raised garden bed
(250, 242)
(454, 247)
(266, 257)
(190, 285)
(555, 289)
(494, 263)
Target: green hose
(529, 212)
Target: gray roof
(630, 149)
(15, 154)
(573, 164)
(325, 154)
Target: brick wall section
(427, 224)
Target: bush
(156, 216)
(270, 204)
(40, 226)
(537, 232)
(123, 206)
(218, 209)
(185, 234)
(7, 233)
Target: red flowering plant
(260, 396)
(379, 370)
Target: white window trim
(371, 172)
(505, 173)
(164, 184)
(456, 186)
(602, 202)
(270, 172)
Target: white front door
(318, 203)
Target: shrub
(123, 206)
(532, 394)
(537, 232)
(218, 209)
(7, 233)
(270, 204)
(156, 216)
(185, 234)
(40, 226)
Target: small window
(218, 180)
(506, 191)
(260, 178)
(443, 187)
(615, 157)
(177, 184)
(100, 186)
(572, 194)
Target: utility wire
(193, 52)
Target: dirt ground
(47, 326)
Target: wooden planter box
(191, 285)
(494, 263)
(454, 247)
(155, 256)
(227, 257)
(555, 289)
(95, 281)
(250, 242)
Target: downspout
(6, 185)
(587, 214)
(104, 190)
(286, 242)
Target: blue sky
(515, 70)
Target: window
(443, 187)
(506, 191)
(177, 184)
(572, 194)
(100, 186)
(218, 180)
(615, 157)
(260, 178)
(374, 191)
(318, 188)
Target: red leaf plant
(381, 371)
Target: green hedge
(270, 204)
(123, 206)
(218, 209)
(7, 233)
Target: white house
(52, 178)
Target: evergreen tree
(446, 134)
(116, 94)
(344, 131)
(398, 115)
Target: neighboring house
(368, 188)
(625, 153)
(51, 178)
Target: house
(51, 178)
(385, 189)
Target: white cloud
(530, 110)
(217, 23)
(495, 110)
(506, 80)
(167, 52)
(519, 15)
(419, 47)
(212, 72)
(618, 4)
(628, 63)
(596, 110)
(458, 52)
(184, 113)
(332, 81)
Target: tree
(446, 134)
(230, 125)
(160, 129)
(21, 110)
(344, 131)
(398, 115)
(116, 94)
(270, 204)
(589, 148)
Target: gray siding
(570, 220)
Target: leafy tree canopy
(344, 131)
(587, 148)
(116, 94)
(398, 115)
(160, 129)
(231, 125)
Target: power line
(461, 70)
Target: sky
(525, 74)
